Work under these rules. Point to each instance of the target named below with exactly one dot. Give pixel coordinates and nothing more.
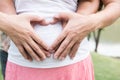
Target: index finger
(60, 38)
(39, 41)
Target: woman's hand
(76, 29)
(22, 34)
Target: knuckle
(69, 47)
(25, 37)
(41, 42)
(28, 32)
(36, 49)
(30, 52)
(74, 33)
(17, 43)
(67, 31)
(63, 47)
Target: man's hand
(22, 34)
(76, 29)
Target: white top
(47, 9)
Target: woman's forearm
(7, 6)
(4, 22)
(109, 14)
(87, 7)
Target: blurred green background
(111, 34)
(106, 68)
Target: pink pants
(82, 70)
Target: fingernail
(26, 57)
(44, 57)
(72, 58)
(61, 58)
(38, 59)
(55, 57)
(48, 55)
(29, 59)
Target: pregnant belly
(48, 33)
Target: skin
(24, 37)
(84, 24)
(79, 26)
(8, 10)
(87, 7)
(59, 45)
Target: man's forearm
(87, 7)
(109, 14)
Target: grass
(106, 68)
(0, 74)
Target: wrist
(98, 20)
(5, 23)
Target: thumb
(33, 17)
(64, 16)
(37, 19)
